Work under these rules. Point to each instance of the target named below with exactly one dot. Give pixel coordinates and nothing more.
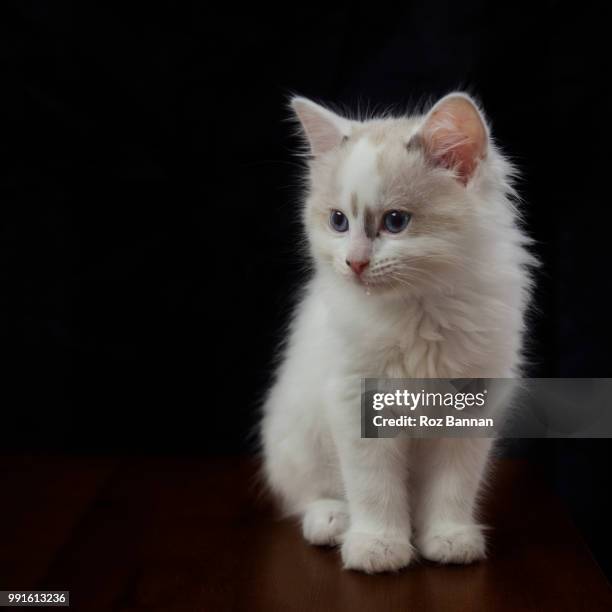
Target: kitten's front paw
(325, 521)
(452, 543)
(373, 553)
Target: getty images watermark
(487, 407)
(429, 399)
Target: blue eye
(395, 221)
(338, 221)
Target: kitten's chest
(423, 340)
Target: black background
(151, 204)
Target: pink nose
(358, 266)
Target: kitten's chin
(369, 287)
(389, 289)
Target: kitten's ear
(324, 130)
(455, 135)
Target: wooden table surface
(179, 534)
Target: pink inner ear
(455, 136)
(324, 129)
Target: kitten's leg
(374, 472)
(445, 490)
(301, 465)
(306, 478)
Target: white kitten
(420, 270)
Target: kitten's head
(392, 201)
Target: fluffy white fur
(445, 297)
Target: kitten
(420, 271)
